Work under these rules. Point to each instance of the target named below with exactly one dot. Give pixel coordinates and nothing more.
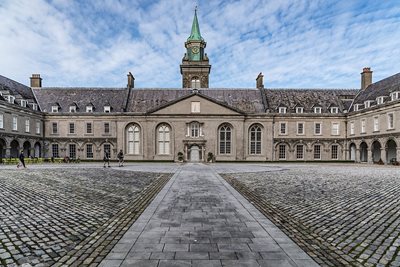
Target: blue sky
(295, 43)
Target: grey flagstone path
(198, 219)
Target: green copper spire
(195, 34)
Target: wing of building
(198, 123)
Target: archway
(391, 150)
(27, 149)
(14, 151)
(38, 150)
(363, 152)
(2, 149)
(352, 151)
(376, 151)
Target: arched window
(164, 140)
(255, 139)
(225, 139)
(195, 82)
(133, 140)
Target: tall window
(282, 151)
(133, 138)
(38, 127)
(107, 148)
(15, 124)
(72, 151)
(363, 126)
(300, 151)
(255, 140)
(300, 128)
(27, 126)
(317, 128)
(390, 121)
(54, 150)
(195, 82)
(106, 127)
(352, 128)
(317, 151)
(71, 128)
(225, 139)
(376, 124)
(282, 128)
(195, 129)
(54, 128)
(164, 140)
(89, 151)
(1, 121)
(334, 151)
(89, 128)
(335, 128)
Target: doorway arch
(363, 152)
(2, 149)
(391, 151)
(376, 151)
(38, 150)
(352, 151)
(14, 151)
(27, 149)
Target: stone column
(383, 155)
(369, 156)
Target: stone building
(253, 124)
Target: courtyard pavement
(198, 219)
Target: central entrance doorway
(194, 153)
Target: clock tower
(195, 67)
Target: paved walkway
(200, 220)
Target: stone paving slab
(198, 219)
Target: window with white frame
(356, 107)
(363, 126)
(106, 127)
(72, 108)
(255, 139)
(334, 110)
(72, 151)
(367, 103)
(27, 125)
(54, 151)
(195, 83)
(390, 117)
(282, 127)
(317, 109)
(15, 123)
(194, 129)
(89, 108)
(54, 109)
(376, 124)
(335, 128)
(24, 103)
(282, 151)
(133, 140)
(54, 128)
(89, 151)
(317, 128)
(34, 106)
(282, 110)
(164, 139)
(107, 148)
(195, 107)
(300, 128)
(395, 96)
(89, 128)
(299, 109)
(225, 139)
(71, 127)
(352, 131)
(38, 127)
(379, 100)
(317, 151)
(10, 99)
(1, 121)
(300, 152)
(334, 151)
(107, 109)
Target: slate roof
(16, 88)
(308, 98)
(82, 97)
(381, 88)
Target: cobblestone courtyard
(46, 213)
(354, 208)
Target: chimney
(260, 80)
(36, 81)
(366, 78)
(131, 81)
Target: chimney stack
(260, 80)
(131, 81)
(36, 81)
(366, 78)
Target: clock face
(195, 50)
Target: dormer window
(367, 103)
(379, 100)
(89, 108)
(24, 103)
(34, 106)
(10, 99)
(317, 109)
(334, 110)
(356, 107)
(395, 95)
(107, 109)
(282, 110)
(72, 108)
(299, 109)
(54, 109)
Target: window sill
(376, 131)
(391, 129)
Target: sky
(294, 43)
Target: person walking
(106, 159)
(21, 159)
(120, 157)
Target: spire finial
(195, 33)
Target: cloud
(308, 44)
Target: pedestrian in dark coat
(106, 159)
(21, 160)
(120, 157)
